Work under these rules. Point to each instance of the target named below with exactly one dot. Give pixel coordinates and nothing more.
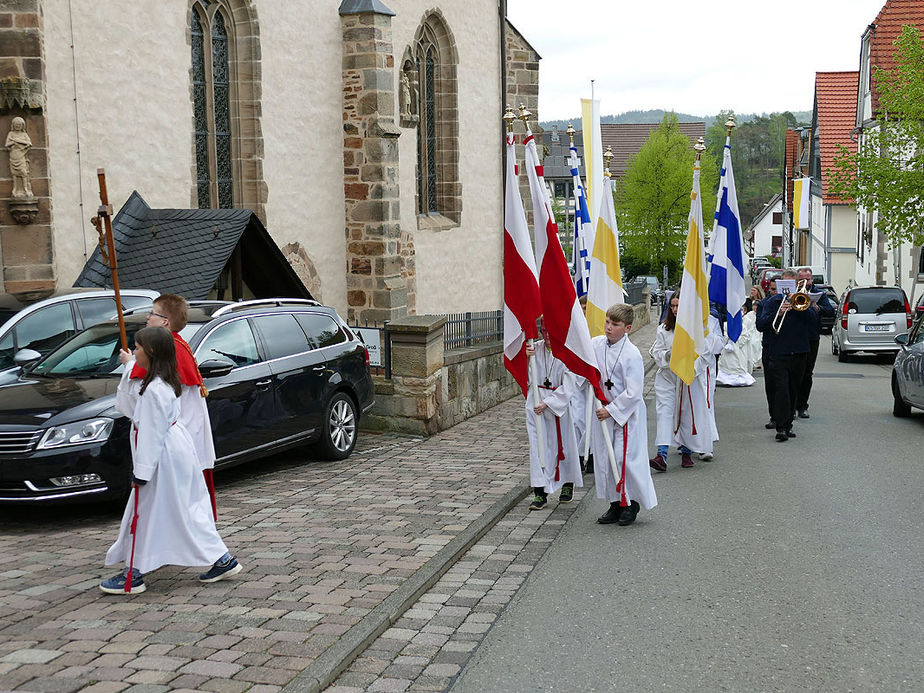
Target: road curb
(324, 670)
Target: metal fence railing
(634, 292)
(472, 328)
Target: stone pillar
(376, 287)
(411, 402)
(26, 240)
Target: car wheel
(833, 346)
(899, 407)
(338, 437)
(841, 356)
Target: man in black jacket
(787, 351)
(765, 356)
(816, 310)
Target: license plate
(878, 328)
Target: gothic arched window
(224, 39)
(439, 198)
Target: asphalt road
(777, 567)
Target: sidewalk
(334, 553)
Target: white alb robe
(621, 364)
(715, 342)
(736, 362)
(579, 413)
(665, 386)
(559, 405)
(194, 414)
(694, 424)
(175, 523)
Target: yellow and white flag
(605, 275)
(593, 155)
(691, 327)
(800, 202)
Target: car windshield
(93, 352)
(6, 314)
(877, 301)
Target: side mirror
(215, 368)
(26, 357)
(901, 340)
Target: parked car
(757, 264)
(45, 324)
(869, 318)
(919, 306)
(827, 321)
(766, 274)
(278, 376)
(908, 370)
(654, 285)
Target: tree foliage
(758, 157)
(653, 200)
(886, 174)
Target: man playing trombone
(787, 345)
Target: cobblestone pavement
(434, 639)
(322, 543)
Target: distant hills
(656, 115)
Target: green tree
(653, 199)
(886, 174)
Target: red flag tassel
(692, 410)
(134, 532)
(708, 404)
(210, 485)
(621, 486)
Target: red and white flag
(522, 306)
(563, 318)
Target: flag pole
(509, 119)
(107, 248)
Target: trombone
(798, 301)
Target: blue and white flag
(583, 233)
(726, 273)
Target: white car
(43, 325)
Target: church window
(439, 201)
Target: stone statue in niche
(408, 96)
(18, 143)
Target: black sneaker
(226, 566)
(803, 414)
(611, 516)
(567, 493)
(538, 503)
(770, 425)
(629, 513)
(781, 437)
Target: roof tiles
(836, 104)
(885, 29)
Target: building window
(228, 165)
(433, 53)
(777, 217)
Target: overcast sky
(696, 56)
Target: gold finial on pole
(509, 118)
(571, 132)
(700, 147)
(730, 124)
(607, 157)
(525, 114)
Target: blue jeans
(662, 450)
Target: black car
(279, 375)
(827, 321)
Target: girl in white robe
(174, 523)
(622, 379)
(666, 385)
(562, 468)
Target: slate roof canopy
(183, 251)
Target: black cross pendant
(547, 383)
(608, 384)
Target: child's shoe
(611, 516)
(538, 502)
(567, 493)
(686, 461)
(629, 513)
(116, 585)
(658, 463)
(226, 566)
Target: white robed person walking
(737, 358)
(561, 468)
(622, 377)
(175, 525)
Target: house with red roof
(876, 261)
(829, 240)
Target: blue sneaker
(226, 566)
(116, 585)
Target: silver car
(43, 325)
(869, 318)
(908, 370)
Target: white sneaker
(705, 456)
